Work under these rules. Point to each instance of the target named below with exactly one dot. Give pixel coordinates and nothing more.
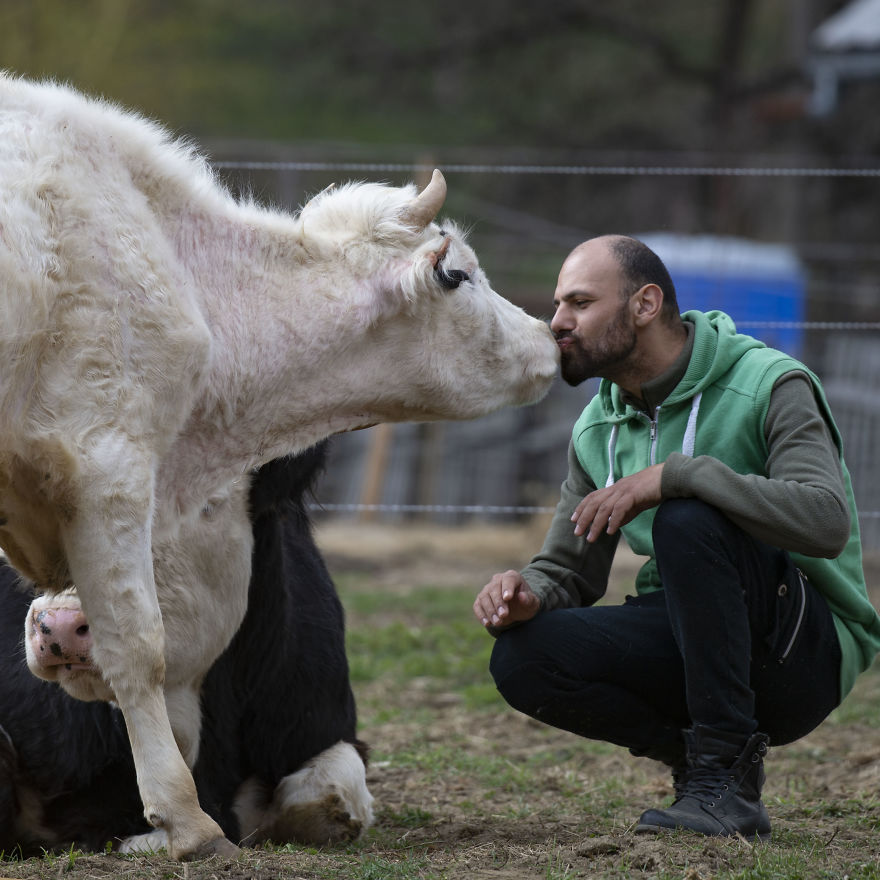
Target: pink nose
(61, 637)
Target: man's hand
(609, 509)
(506, 599)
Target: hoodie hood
(717, 347)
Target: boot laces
(705, 784)
(708, 784)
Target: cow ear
(436, 256)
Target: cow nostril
(83, 630)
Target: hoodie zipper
(654, 432)
(654, 436)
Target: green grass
(467, 787)
(448, 652)
(429, 634)
(862, 705)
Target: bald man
(717, 458)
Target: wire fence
(549, 170)
(462, 469)
(351, 460)
(468, 509)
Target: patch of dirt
(837, 763)
(466, 826)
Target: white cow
(159, 339)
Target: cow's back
(84, 191)
(101, 340)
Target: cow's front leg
(185, 714)
(107, 541)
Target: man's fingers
(482, 610)
(511, 581)
(605, 510)
(509, 584)
(503, 599)
(608, 517)
(490, 605)
(486, 607)
(591, 516)
(614, 506)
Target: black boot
(671, 754)
(720, 793)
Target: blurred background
(739, 137)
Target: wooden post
(381, 437)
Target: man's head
(613, 292)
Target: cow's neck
(275, 330)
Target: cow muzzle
(58, 643)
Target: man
(717, 458)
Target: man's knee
(506, 660)
(517, 674)
(687, 530)
(679, 520)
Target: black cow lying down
(278, 754)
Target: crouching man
(718, 459)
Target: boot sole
(643, 828)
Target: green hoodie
(718, 410)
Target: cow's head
(420, 300)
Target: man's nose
(561, 320)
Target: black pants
(736, 640)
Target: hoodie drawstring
(687, 443)
(690, 432)
(612, 443)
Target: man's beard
(579, 363)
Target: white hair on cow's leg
(325, 802)
(151, 842)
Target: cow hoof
(326, 822)
(219, 846)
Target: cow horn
(427, 204)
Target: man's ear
(646, 303)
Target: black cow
(278, 757)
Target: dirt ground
(834, 766)
(821, 791)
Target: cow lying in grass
(278, 756)
(160, 339)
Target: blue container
(761, 286)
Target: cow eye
(452, 278)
